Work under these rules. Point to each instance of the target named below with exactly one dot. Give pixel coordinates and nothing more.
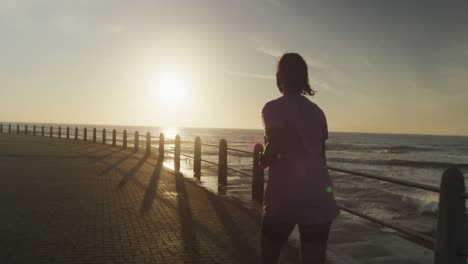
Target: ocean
(417, 158)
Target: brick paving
(66, 201)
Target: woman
(299, 189)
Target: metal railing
(448, 244)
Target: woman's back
(299, 188)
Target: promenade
(67, 201)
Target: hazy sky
(377, 66)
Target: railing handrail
(240, 151)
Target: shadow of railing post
(114, 137)
(258, 175)
(124, 140)
(177, 153)
(197, 158)
(136, 146)
(148, 144)
(161, 147)
(222, 167)
(104, 134)
(451, 219)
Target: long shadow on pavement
(152, 187)
(116, 164)
(232, 229)
(187, 222)
(129, 175)
(103, 157)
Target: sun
(172, 88)
(166, 88)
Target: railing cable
(399, 228)
(388, 179)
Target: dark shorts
(279, 231)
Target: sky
(377, 66)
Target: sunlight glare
(172, 88)
(170, 132)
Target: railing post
(114, 137)
(197, 158)
(177, 153)
(51, 134)
(124, 140)
(451, 219)
(76, 133)
(60, 132)
(94, 135)
(9, 128)
(222, 167)
(137, 142)
(34, 130)
(17, 128)
(161, 147)
(68, 132)
(42, 131)
(85, 134)
(258, 173)
(104, 133)
(1, 128)
(25, 129)
(148, 143)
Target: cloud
(319, 85)
(276, 3)
(115, 29)
(278, 53)
(270, 52)
(250, 75)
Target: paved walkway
(67, 201)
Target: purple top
(299, 187)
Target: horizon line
(236, 128)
